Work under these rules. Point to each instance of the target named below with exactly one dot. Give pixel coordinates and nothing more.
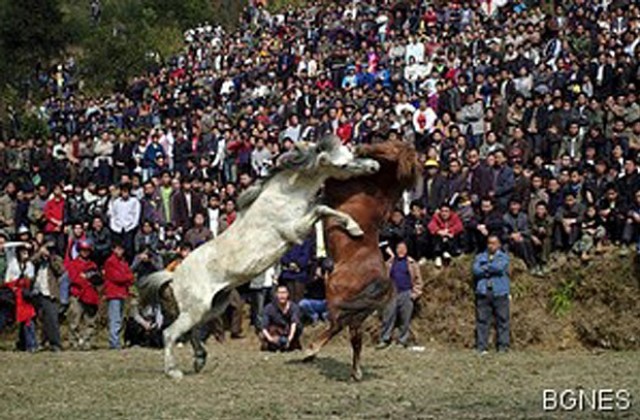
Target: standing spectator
(48, 269)
(19, 277)
(296, 268)
(492, 288)
(407, 280)
(100, 238)
(54, 216)
(124, 217)
(83, 305)
(184, 205)
(281, 324)
(8, 205)
(504, 181)
(118, 278)
(259, 289)
(541, 235)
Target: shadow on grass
(335, 370)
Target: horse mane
(400, 153)
(302, 156)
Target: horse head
(396, 156)
(335, 160)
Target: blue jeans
(28, 333)
(65, 283)
(115, 307)
(315, 309)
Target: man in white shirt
(424, 118)
(124, 218)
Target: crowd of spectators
(525, 116)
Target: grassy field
(240, 382)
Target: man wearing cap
(433, 186)
(84, 301)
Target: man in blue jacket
(491, 274)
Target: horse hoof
(356, 375)
(175, 374)
(309, 356)
(355, 231)
(198, 363)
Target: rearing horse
(359, 284)
(277, 213)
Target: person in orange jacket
(84, 301)
(118, 278)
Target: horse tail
(149, 287)
(374, 296)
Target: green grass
(240, 382)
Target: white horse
(278, 213)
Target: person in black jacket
(489, 222)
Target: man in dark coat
(184, 205)
(504, 181)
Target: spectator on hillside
(407, 280)
(517, 235)
(446, 229)
(199, 232)
(313, 304)
(492, 288)
(124, 216)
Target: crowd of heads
(521, 113)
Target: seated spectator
(445, 228)
(198, 234)
(492, 288)
(281, 324)
(100, 237)
(314, 303)
(118, 278)
(612, 213)
(518, 235)
(592, 232)
(407, 280)
(567, 223)
(144, 326)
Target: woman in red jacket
(83, 304)
(445, 228)
(118, 278)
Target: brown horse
(359, 284)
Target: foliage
(562, 297)
(32, 33)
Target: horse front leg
(355, 332)
(331, 331)
(171, 334)
(344, 219)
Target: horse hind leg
(199, 352)
(355, 333)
